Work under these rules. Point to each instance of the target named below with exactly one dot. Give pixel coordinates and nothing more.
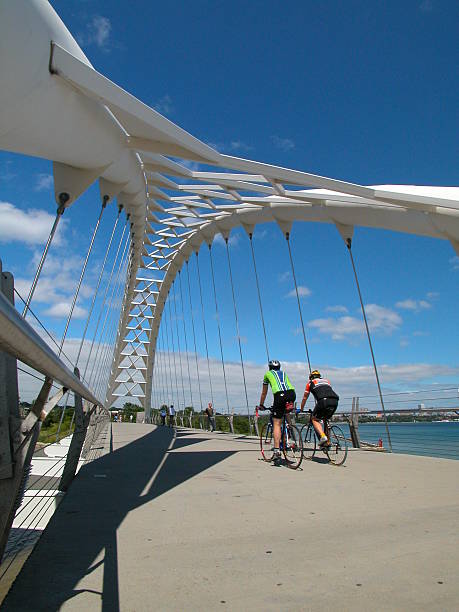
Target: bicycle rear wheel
(309, 441)
(267, 442)
(292, 447)
(337, 451)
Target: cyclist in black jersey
(326, 402)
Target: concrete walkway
(199, 523)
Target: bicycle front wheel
(292, 447)
(337, 451)
(267, 442)
(309, 441)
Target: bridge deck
(198, 523)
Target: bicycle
(291, 443)
(337, 447)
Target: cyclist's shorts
(325, 408)
(280, 399)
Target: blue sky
(365, 92)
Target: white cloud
(302, 292)
(380, 319)
(454, 261)
(61, 310)
(419, 333)
(339, 328)
(238, 145)
(232, 241)
(336, 309)
(284, 276)
(348, 382)
(44, 182)
(285, 144)
(260, 234)
(414, 305)
(164, 105)
(30, 226)
(433, 295)
(234, 145)
(29, 387)
(404, 342)
(97, 32)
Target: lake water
(433, 439)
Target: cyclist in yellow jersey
(283, 393)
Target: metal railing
(18, 439)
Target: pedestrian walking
(171, 416)
(210, 416)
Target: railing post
(76, 444)
(10, 424)
(255, 424)
(22, 434)
(354, 423)
(231, 423)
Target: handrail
(18, 338)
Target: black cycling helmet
(274, 364)
(314, 374)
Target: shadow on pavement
(81, 535)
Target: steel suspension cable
(194, 334)
(161, 369)
(116, 307)
(166, 370)
(205, 331)
(259, 295)
(106, 341)
(238, 331)
(173, 351)
(166, 331)
(104, 298)
(218, 325)
(115, 291)
(349, 248)
(178, 345)
(99, 280)
(287, 237)
(83, 271)
(185, 336)
(59, 213)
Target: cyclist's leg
(317, 424)
(320, 413)
(277, 424)
(325, 412)
(317, 417)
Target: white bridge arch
(54, 105)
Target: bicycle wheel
(267, 442)
(309, 441)
(337, 451)
(292, 447)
